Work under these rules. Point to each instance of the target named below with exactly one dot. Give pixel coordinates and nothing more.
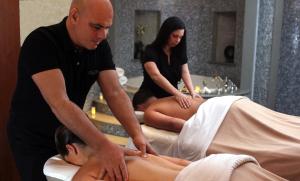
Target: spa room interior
(235, 47)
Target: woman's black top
(171, 71)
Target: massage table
(221, 167)
(56, 169)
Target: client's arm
(159, 120)
(166, 113)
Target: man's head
(89, 21)
(71, 147)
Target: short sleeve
(184, 60)
(39, 53)
(105, 58)
(150, 54)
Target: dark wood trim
(9, 52)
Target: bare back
(167, 114)
(151, 168)
(169, 106)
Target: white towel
(218, 167)
(199, 131)
(56, 167)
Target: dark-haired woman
(165, 64)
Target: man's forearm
(122, 109)
(77, 121)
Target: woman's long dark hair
(64, 136)
(170, 25)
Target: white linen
(199, 131)
(140, 116)
(216, 167)
(56, 167)
(160, 140)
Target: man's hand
(110, 158)
(143, 145)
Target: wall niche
(224, 33)
(146, 26)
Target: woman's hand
(183, 100)
(195, 95)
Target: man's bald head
(89, 21)
(82, 5)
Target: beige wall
(35, 13)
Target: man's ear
(72, 149)
(74, 14)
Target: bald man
(57, 66)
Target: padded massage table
(222, 167)
(56, 169)
(158, 138)
(283, 161)
(271, 137)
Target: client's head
(71, 147)
(142, 99)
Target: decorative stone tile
(112, 129)
(288, 87)
(264, 51)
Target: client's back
(151, 168)
(169, 106)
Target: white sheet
(218, 167)
(56, 167)
(199, 131)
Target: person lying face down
(165, 113)
(75, 151)
(248, 128)
(152, 167)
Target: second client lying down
(230, 124)
(219, 167)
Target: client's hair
(140, 97)
(64, 136)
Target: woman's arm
(162, 82)
(159, 79)
(186, 77)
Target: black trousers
(29, 159)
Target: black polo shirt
(47, 48)
(171, 71)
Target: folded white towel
(218, 167)
(56, 167)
